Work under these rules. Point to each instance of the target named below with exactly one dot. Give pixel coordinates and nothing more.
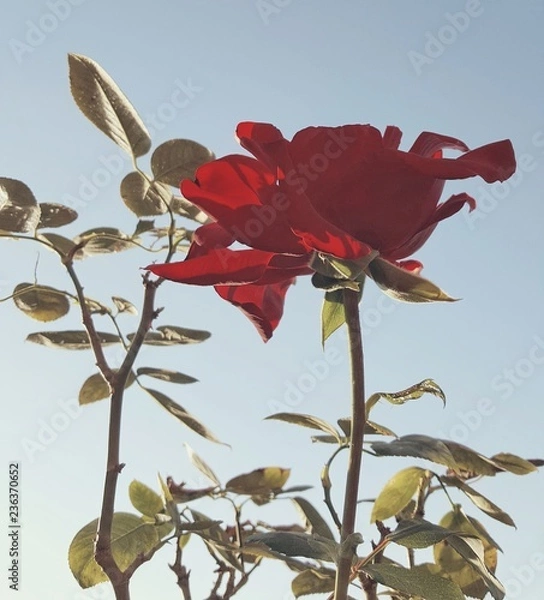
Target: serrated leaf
(70, 340)
(55, 215)
(60, 243)
(483, 503)
(143, 197)
(169, 335)
(457, 457)
(96, 388)
(306, 421)
(397, 493)
(468, 560)
(130, 537)
(414, 392)
(182, 415)
(404, 285)
(19, 210)
(415, 582)
(333, 314)
(166, 375)
(315, 522)
(124, 306)
(144, 499)
(297, 544)
(514, 464)
(313, 581)
(259, 481)
(101, 240)
(104, 104)
(40, 302)
(202, 466)
(175, 160)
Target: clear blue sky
(418, 65)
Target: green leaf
(102, 240)
(468, 560)
(314, 521)
(104, 104)
(70, 340)
(333, 315)
(61, 244)
(297, 544)
(96, 388)
(166, 375)
(41, 302)
(216, 539)
(483, 503)
(131, 536)
(55, 215)
(182, 415)
(415, 582)
(313, 581)
(144, 499)
(397, 493)
(418, 533)
(457, 457)
(306, 421)
(124, 306)
(259, 481)
(169, 335)
(514, 464)
(202, 466)
(404, 285)
(414, 392)
(19, 210)
(175, 160)
(143, 197)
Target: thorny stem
(358, 419)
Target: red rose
(344, 192)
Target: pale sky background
(296, 64)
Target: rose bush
(346, 193)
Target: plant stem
(103, 550)
(358, 419)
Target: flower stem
(358, 419)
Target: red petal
(493, 162)
(428, 143)
(262, 304)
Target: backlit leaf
(41, 302)
(397, 493)
(96, 388)
(414, 392)
(259, 481)
(202, 466)
(306, 421)
(297, 544)
(144, 499)
(101, 240)
(168, 335)
(313, 581)
(104, 104)
(130, 537)
(70, 340)
(19, 210)
(332, 314)
(418, 533)
(175, 160)
(55, 215)
(182, 415)
(166, 375)
(414, 582)
(143, 197)
(124, 306)
(514, 464)
(61, 244)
